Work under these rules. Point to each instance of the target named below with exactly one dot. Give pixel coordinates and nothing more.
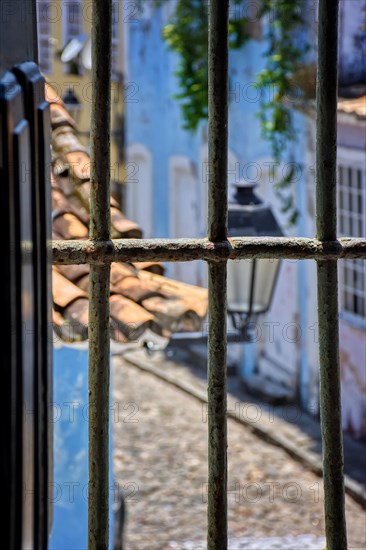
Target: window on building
(45, 49)
(73, 23)
(352, 223)
(116, 71)
(72, 28)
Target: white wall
(139, 174)
(184, 211)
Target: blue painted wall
(69, 415)
(155, 120)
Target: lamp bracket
(241, 333)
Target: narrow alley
(160, 437)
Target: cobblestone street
(160, 459)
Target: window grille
(116, 25)
(352, 222)
(72, 26)
(100, 251)
(44, 26)
(73, 22)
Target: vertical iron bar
(217, 119)
(326, 211)
(98, 509)
(217, 230)
(217, 406)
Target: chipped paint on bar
(217, 309)
(99, 344)
(326, 218)
(185, 250)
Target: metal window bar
(100, 251)
(100, 224)
(217, 302)
(326, 225)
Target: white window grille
(44, 23)
(116, 22)
(352, 223)
(73, 21)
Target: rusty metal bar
(217, 120)
(99, 351)
(217, 231)
(184, 250)
(217, 397)
(326, 218)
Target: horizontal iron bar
(184, 250)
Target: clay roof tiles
(354, 106)
(141, 298)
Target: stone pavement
(302, 542)
(160, 437)
(285, 425)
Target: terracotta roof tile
(56, 236)
(78, 312)
(69, 225)
(64, 291)
(154, 267)
(62, 205)
(119, 271)
(114, 202)
(135, 289)
(65, 141)
(122, 227)
(82, 191)
(133, 313)
(60, 116)
(51, 95)
(141, 298)
(173, 314)
(73, 272)
(83, 283)
(173, 287)
(79, 163)
(356, 106)
(57, 318)
(131, 318)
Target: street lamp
(250, 283)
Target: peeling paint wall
(352, 331)
(353, 376)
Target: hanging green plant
(187, 35)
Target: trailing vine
(186, 34)
(280, 89)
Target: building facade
(64, 49)
(168, 167)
